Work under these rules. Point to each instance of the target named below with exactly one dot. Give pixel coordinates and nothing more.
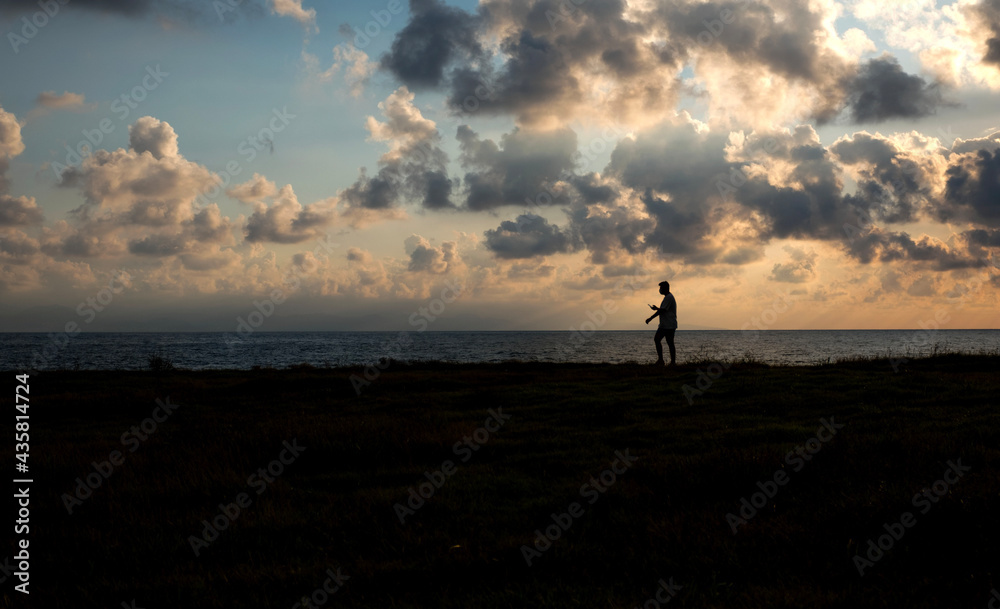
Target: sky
(172, 165)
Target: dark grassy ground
(663, 518)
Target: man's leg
(659, 345)
(670, 344)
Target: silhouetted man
(667, 312)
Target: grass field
(337, 503)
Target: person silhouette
(667, 312)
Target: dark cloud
(534, 78)
(553, 51)
(184, 10)
(122, 7)
(604, 231)
(522, 169)
(881, 91)
(418, 174)
(529, 236)
(4, 181)
(988, 14)
(677, 171)
(891, 184)
(157, 245)
(787, 45)
(898, 246)
(379, 192)
(678, 230)
(415, 168)
(592, 192)
(973, 189)
(436, 36)
(674, 159)
(19, 211)
(437, 190)
(983, 237)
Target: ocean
(224, 350)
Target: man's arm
(654, 315)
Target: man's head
(664, 287)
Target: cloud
(799, 269)
(525, 167)
(19, 211)
(436, 36)
(990, 143)
(355, 64)
(881, 91)
(286, 220)
(293, 9)
(142, 200)
(534, 84)
(48, 101)
(14, 211)
(675, 170)
(356, 254)
(424, 257)
(607, 229)
(11, 143)
(973, 189)
(894, 184)
(154, 136)
(987, 14)
(923, 286)
(527, 237)
(181, 10)
(886, 246)
(123, 7)
(414, 169)
(256, 188)
(547, 61)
